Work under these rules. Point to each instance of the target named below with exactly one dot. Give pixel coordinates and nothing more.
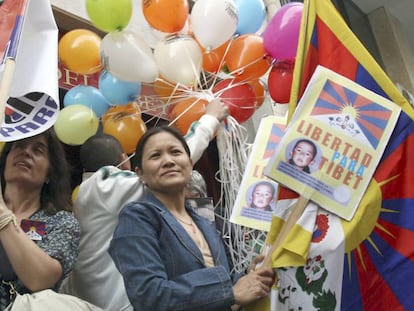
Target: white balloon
(140, 25)
(128, 57)
(213, 22)
(179, 59)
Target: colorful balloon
(75, 124)
(252, 14)
(116, 91)
(109, 15)
(166, 90)
(75, 194)
(246, 58)
(185, 112)
(166, 15)
(213, 22)
(128, 57)
(79, 51)
(179, 59)
(125, 124)
(279, 81)
(239, 96)
(260, 91)
(280, 38)
(213, 60)
(88, 96)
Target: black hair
(100, 150)
(308, 141)
(55, 194)
(151, 132)
(265, 183)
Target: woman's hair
(100, 150)
(197, 184)
(156, 130)
(55, 194)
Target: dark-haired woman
(171, 258)
(39, 236)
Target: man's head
(101, 150)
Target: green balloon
(109, 15)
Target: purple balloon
(280, 38)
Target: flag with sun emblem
(334, 142)
(378, 253)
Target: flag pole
(299, 61)
(5, 84)
(10, 57)
(297, 210)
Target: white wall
(75, 7)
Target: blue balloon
(252, 14)
(118, 92)
(88, 96)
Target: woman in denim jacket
(171, 258)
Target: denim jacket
(162, 267)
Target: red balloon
(279, 81)
(239, 96)
(259, 90)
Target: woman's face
(165, 164)
(28, 161)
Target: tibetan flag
(325, 39)
(28, 45)
(378, 265)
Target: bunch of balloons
(184, 54)
(283, 31)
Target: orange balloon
(259, 90)
(213, 60)
(247, 58)
(166, 15)
(79, 51)
(186, 112)
(125, 124)
(165, 89)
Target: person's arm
(201, 132)
(35, 267)
(256, 284)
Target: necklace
(191, 224)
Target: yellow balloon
(75, 193)
(79, 51)
(75, 124)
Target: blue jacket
(162, 267)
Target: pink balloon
(280, 38)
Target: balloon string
(234, 149)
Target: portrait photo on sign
(261, 195)
(304, 154)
